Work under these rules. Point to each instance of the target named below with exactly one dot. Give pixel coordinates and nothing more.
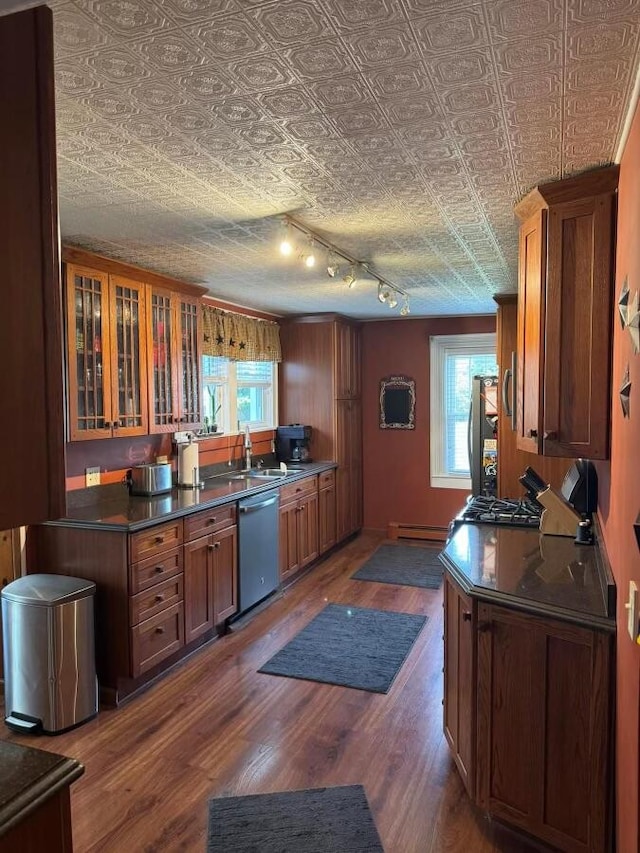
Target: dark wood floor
(215, 726)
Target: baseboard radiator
(397, 530)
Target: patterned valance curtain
(239, 337)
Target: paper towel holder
(188, 464)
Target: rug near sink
(350, 647)
(407, 565)
(316, 820)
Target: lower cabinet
(527, 712)
(298, 525)
(459, 681)
(326, 511)
(210, 581)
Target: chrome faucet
(247, 448)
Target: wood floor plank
(215, 726)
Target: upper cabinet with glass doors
(106, 355)
(173, 327)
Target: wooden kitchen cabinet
(512, 462)
(323, 352)
(173, 344)
(31, 348)
(210, 571)
(106, 354)
(326, 511)
(460, 680)
(298, 525)
(565, 290)
(543, 727)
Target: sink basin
(268, 473)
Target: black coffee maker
(292, 443)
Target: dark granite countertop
(130, 512)
(521, 568)
(28, 777)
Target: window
(236, 393)
(455, 359)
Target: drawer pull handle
(159, 630)
(159, 540)
(159, 569)
(298, 489)
(466, 616)
(211, 520)
(159, 597)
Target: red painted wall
(619, 497)
(396, 462)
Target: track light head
(286, 245)
(392, 300)
(383, 292)
(405, 310)
(351, 278)
(333, 267)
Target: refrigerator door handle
(514, 364)
(469, 439)
(506, 376)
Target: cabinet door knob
(159, 630)
(159, 597)
(159, 540)
(216, 545)
(211, 520)
(533, 433)
(550, 435)
(466, 616)
(159, 569)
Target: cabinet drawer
(155, 540)
(146, 604)
(299, 489)
(155, 639)
(208, 521)
(151, 571)
(326, 479)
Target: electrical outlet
(91, 477)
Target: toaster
(151, 479)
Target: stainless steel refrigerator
(483, 435)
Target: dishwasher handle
(253, 507)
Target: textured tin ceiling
(403, 131)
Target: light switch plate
(91, 477)
(632, 611)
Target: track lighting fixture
(333, 267)
(388, 293)
(351, 279)
(309, 257)
(286, 246)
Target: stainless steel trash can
(49, 653)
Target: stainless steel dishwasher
(258, 551)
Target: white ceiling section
(402, 131)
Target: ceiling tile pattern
(403, 131)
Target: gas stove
(521, 512)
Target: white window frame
(228, 420)
(440, 346)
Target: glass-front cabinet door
(190, 376)
(163, 373)
(128, 357)
(89, 365)
(106, 355)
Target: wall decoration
(625, 393)
(397, 402)
(623, 302)
(633, 322)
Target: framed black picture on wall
(397, 402)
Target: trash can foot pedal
(21, 723)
